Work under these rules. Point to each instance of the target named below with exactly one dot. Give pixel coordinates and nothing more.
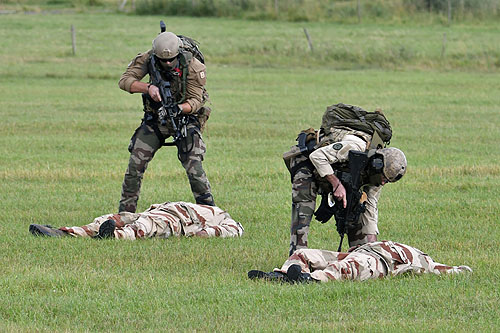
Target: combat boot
(295, 275)
(107, 229)
(271, 276)
(46, 230)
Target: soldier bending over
(159, 220)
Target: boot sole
(107, 229)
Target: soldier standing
(187, 78)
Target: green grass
(63, 146)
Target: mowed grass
(63, 146)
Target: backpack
(192, 46)
(353, 117)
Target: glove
(325, 210)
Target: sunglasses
(165, 60)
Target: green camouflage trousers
(368, 261)
(143, 146)
(304, 193)
(166, 220)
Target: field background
(63, 146)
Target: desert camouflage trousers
(143, 146)
(304, 193)
(368, 261)
(165, 220)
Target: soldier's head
(166, 48)
(394, 164)
(387, 165)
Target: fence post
(443, 49)
(73, 39)
(122, 6)
(309, 40)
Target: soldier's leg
(92, 229)
(191, 153)
(310, 260)
(367, 229)
(304, 194)
(354, 266)
(328, 265)
(144, 227)
(143, 147)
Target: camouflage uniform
(305, 186)
(368, 261)
(166, 220)
(146, 140)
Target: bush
(321, 10)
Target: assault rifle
(346, 218)
(169, 110)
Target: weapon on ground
(346, 218)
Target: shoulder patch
(337, 146)
(202, 75)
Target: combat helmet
(394, 163)
(166, 45)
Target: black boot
(294, 274)
(271, 276)
(107, 229)
(205, 199)
(46, 230)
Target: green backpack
(192, 46)
(353, 117)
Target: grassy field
(63, 146)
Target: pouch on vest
(203, 114)
(306, 140)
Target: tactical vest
(178, 81)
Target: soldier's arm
(196, 80)
(137, 69)
(338, 189)
(369, 219)
(337, 152)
